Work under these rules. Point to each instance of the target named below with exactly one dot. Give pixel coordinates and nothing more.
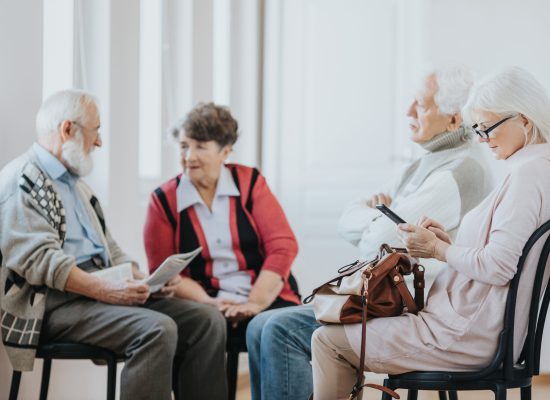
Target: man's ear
(226, 151)
(65, 129)
(454, 123)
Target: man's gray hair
(64, 105)
(454, 84)
(509, 92)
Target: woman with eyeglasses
(459, 328)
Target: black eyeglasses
(484, 133)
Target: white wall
(332, 134)
(20, 74)
(487, 35)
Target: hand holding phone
(390, 214)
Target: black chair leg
(500, 392)
(111, 379)
(386, 396)
(442, 395)
(232, 371)
(526, 393)
(412, 394)
(453, 395)
(45, 383)
(15, 381)
(176, 378)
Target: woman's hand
(422, 242)
(238, 312)
(137, 274)
(169, 290)
(220, 304)
(435, 227)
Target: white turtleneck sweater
(444, 184)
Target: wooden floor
(541, 391)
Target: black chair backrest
(530, 357)
(538, 310)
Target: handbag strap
(419, 285)
(413, 306)
(343, 272)
(399, 282)
(360, 377)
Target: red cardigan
(262, 237)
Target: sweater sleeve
(357, 217)
(30, 245)
(276, 234)
(514, 219)
(158, 235)
(438, 197)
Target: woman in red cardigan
(247, 244)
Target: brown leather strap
(360, 376)
(358, 387)
(399, 282)
(384, 389)
(413, 306)
(419, 285)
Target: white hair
(454, 84)
(65, 105)
(513, 91)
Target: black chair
(69, 351)
(235, 345)
(77, 351)
(502, 373)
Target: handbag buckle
(367, 277)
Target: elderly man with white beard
(53, 235)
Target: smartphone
(390, 214)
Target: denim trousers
(279, 353)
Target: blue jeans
(279, 353)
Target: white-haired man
(53, 235)
(447, 181)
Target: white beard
(72, 152)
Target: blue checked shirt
(81, 240)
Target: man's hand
(379, 198)
(128, 293)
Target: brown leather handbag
(372, 289)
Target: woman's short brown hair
(208, 121)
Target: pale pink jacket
(464, 314)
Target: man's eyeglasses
(484, 133)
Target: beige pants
(334, 363)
